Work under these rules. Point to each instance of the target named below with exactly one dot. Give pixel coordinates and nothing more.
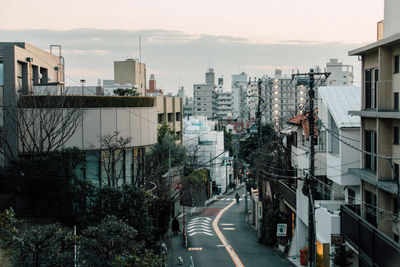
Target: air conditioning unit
(29, 59)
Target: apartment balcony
(370, 177)
(380, 114)
(54, 88)
(374, 247)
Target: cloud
(177, 58)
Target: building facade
(238, 88)
(170, 111)
(341, 75)
(204, 96)
(25, 69)
(131, 72)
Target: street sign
(178, 185)
(260, 213)
(281, 229)
(228, 158)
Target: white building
(204, 145)
(223, 102)
(341, 75)
(333, 159)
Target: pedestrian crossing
(199, 225)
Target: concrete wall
(137, 124)
(131, 72)
(392, 19)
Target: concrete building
(379, 168)
(188, 107)
(204, 144)
(282, 99)
(204, 96)
(238, 88)
(131, 72)
(25, 69)
(341, 75)
(170, 111)
(223, 101)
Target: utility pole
(83, 81)
(245, 187)
(259, 180)
(310, 78)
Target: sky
(182, 38)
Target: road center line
(229, 249)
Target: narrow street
(206, 244)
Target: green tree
(43, 245)
(107, 242)
(196, 186)
(126, 92)
(228, 141)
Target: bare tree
(41, 124)
(113, 147)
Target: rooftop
(340, 100)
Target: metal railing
(374, 247)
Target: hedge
(73, 101)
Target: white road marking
(227, 224)
(195, 233)
(228, 228)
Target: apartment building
(25, 69)
(170, 111)
(378, 217)
(223, 101)
(238, 88)
(204, 96)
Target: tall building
(204, 97)
(152, 84)
(341, 75)
(131, 72)
(238, 88)
(210, 77)
(377, 220)
(282, 99)
(223, 102)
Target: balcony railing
(374, 247)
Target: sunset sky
(182, 37)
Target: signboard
(260, 209)
(228, 158)
(281, 229)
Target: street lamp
(83, 81)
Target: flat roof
(391, 40)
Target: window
(395, 135)
(351, 196)
(160, 118)
(396, 64)
(370, 146)
(396, 101)
(396, 171)
(371, 82)
(178, 116)
(370, 208)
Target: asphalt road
(206, 249)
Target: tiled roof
(302, 119)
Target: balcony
(370, 177)
(380, 114)
(374, 247)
